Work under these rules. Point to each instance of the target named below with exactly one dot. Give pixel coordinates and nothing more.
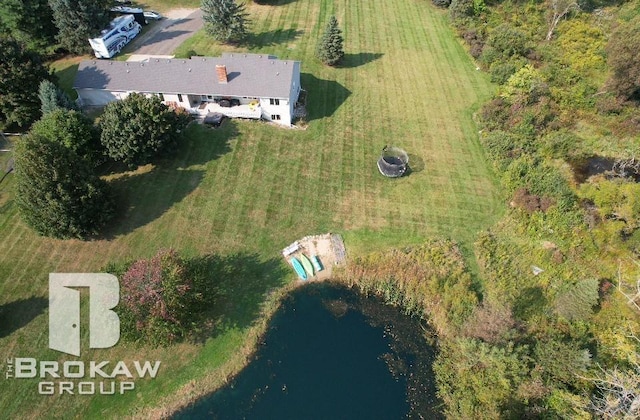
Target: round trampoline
(393, 162)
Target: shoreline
(212, 381)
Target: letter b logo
(64, 311)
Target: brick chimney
(221, 71)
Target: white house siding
(184, 103)
(282, 109)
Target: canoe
(316, 263)
(298, 267)
(306, 264)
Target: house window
(274, 101)
(161, 96)
(275, 117)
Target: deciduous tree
(330, 50)
(72, 130)
(225, 20)
(137, 128)
(29, 21)
(57, 193)
(79, 20)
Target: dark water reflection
(332, 354)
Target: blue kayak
(298, 267)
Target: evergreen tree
(79, 20)
(57, 193)
(225, 20)
(330, 49)
(52, 98)
(29, 21)
(21, 72)
(137, 128)
(72, 130)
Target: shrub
(163, 299)
(527, 83)
(459, 10)
(477, 381)
(577, 302)
(508, 41)
(617, 200)
(540, 179)
(531, 203)
(503, 147)
(490, 322)
(609, 105)
(501, 71)
(562, 144)
(494, 114)
(561, 362)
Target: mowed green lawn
(249, 189)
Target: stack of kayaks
(303, 266)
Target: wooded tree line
(29, 36)
(74, 21)
(554, 332)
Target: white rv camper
(121, 30)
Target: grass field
(248, 189)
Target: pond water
(330, 353)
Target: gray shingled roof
(250, 75)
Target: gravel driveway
(166, 35)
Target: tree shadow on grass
(144, 195)
(359, 59)
(15, 315)
(416, 164)
(237, 285)
(274, 37)
(324, 97)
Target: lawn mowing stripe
(13, 220)
(431, 119)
